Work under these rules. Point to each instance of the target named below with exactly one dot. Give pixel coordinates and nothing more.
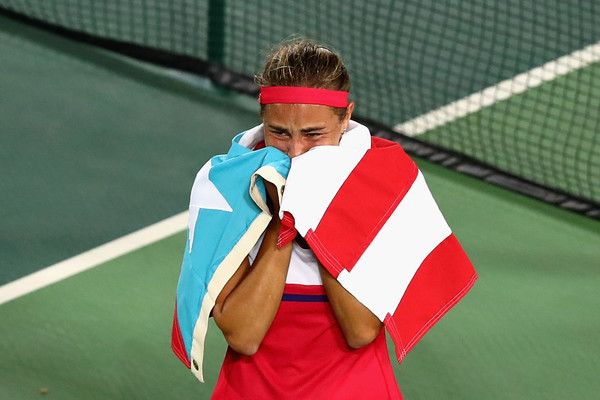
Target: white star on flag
(207, 196)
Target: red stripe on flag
(177, 343)
(443, 278)
(362, 205)
(288, 232)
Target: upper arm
(359, 325)
(231, 284)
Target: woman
(319, 342)
(354, 206)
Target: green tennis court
(519, 119)
(95, 146)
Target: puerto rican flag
(363, 207)
(227, 215)
(367, 213)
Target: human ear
(349, 111)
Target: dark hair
(306, 64)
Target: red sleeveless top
(305, 356)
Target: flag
(363, 207)
(367, 213)
(227, 215)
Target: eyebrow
(303, 130)
(312, 129)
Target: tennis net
(512, 84)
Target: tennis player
(293, 331)
(307, 238)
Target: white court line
(93, 257)
(501, 91)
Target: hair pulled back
(305, 64)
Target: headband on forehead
(303, 95)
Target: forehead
(285, 114)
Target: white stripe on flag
(382, 274)
(332, 165)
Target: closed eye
(313, 134)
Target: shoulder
(389, 154)
(377, 143)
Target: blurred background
(109, 108)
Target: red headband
(303, 95)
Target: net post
(216, 31)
